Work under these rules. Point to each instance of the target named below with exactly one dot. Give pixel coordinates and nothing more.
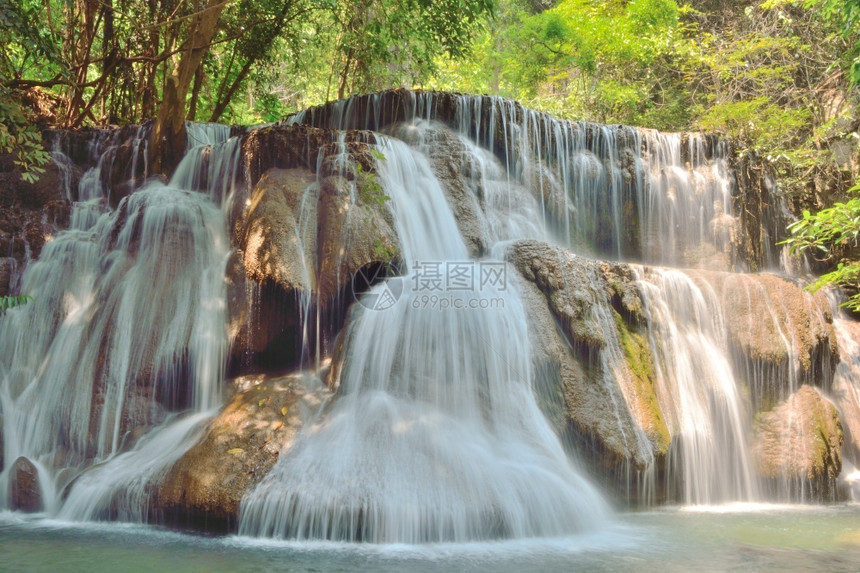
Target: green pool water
(732, 538)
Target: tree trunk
(195, 94)
(168, 134)
(224, 101)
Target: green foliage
(832, 235)
(21, 138)
(369, 188)
(108, 60)
(10, 302)
(846, 15)
(756, 120)
(581, 59)
(28, 43)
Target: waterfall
(436, 435)
(710, 459)
(613, 191)
(127, 329)
(435, 431)
(211, 163)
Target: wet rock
(760, 218)
(204, 488)
(23, 231)
(549, 192)
(268, 235)
(25, 492)
(7, 264)
(777, 330)
(594, 369)
(801, 438)
(303, 237)
(287, 147)
(351, 234)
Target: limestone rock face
(777, 330)
(762, 311)
(30, 213)
(7, 265)
(268, 233)
(24, 489)
(594, 368)
(800, 438)
(307, 229)
(238, 448)
(596, 373)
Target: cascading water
(614, 191)
(634, 194)
(436, 435)
(129, 328)
(710, 460)
(211, 164)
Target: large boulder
(800, 440)
(778, 332)
(592, 354)
(309, 227)
(25, 492)
(269, 235)
(240, 445)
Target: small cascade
(436, 435)
(710, 459)
(507, 210)
(612, 191)
(211, 163)
(846, 390)
(129, 330)
(119, 157)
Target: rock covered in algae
(595, 372)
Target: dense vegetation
(780, 76)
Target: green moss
(637, 354)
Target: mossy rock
(639, 357)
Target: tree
(24, 43)
(121, 61)
(613, 62)
(168, 134)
